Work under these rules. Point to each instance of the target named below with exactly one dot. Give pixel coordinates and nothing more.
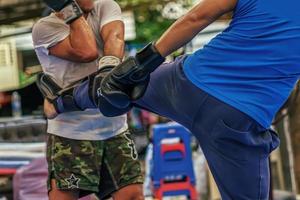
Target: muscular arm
(188, 26)
(79, 46)
(113, 38)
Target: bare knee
(130, 192)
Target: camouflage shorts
(93, 166)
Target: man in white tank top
(86, 151)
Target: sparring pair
(86, 151)
(226, 93)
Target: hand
(128, 81)
(108, 61)
(49, 110)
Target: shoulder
(37, 28)
(103, 4)
(47, 22)
(48, 28)
(39, 23)
(48, 19)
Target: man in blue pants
(226, 93)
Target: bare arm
(113, 38)
(79, 46)
(188, 26)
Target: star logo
(73, 182)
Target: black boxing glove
(128, 81)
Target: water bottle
(16, 104)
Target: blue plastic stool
(172, 172)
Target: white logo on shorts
(130, 144)
(73, 182)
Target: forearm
(113, 39)
(114, 46)
(81, 37)
(178, 35)
(188, 26)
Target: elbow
(202, 15)
(88, 56)
(195, 19)
(91, 56)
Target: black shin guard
(66, 102)
(62, 99)
(106, 108)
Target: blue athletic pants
(236, 146)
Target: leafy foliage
(149, 21)
(150, 25)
